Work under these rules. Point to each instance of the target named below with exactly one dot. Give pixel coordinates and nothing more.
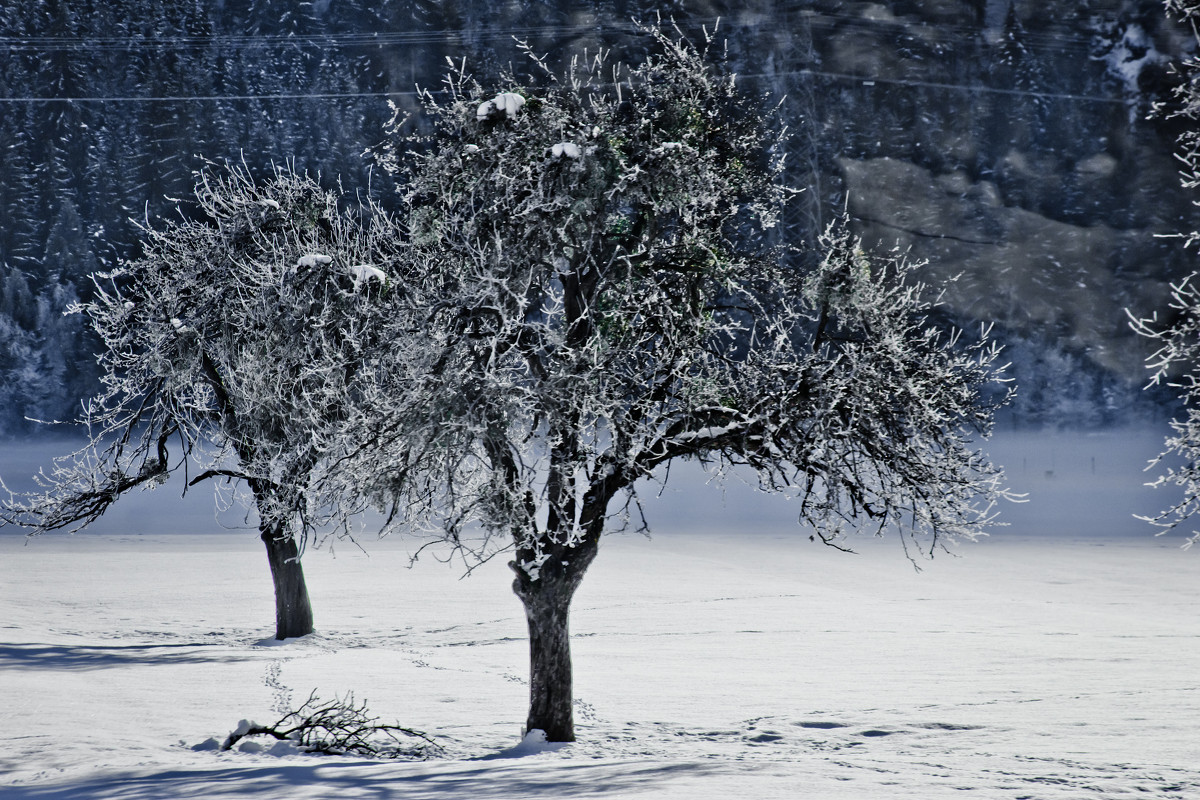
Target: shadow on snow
(361, 779)
(29, 655)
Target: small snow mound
(273, 642)
(284, 748)
(208, 744)
(533, 743)
(249, 746)
(313, 260)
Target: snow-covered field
(726, 656)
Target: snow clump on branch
(567, 149)
(365, 273)
(508, 103)
(313, 260)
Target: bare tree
(210, 348)
(600, 295)
(1177, 359)
(1186, 105)
(1175, 364)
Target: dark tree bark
(551, 704)
(293, 612)
(547, 602)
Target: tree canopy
(212, 343)
(596, 288)
(1176, 362)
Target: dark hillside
(1005, 141)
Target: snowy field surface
(725, 656)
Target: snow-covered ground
(726, 656)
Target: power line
(211, 98)
(960, 87)
(321, 40)
(862, 80)
(813, 20)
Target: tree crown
(602, 295)
(216, 338)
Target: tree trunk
(551, 706)
(293, 612)
(547, 602)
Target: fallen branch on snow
(339, 727)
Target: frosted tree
(211, 341)
(1176, 362)
(600, 295)
(1186, 105)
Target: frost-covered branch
(79, 488)
(1174, 364)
